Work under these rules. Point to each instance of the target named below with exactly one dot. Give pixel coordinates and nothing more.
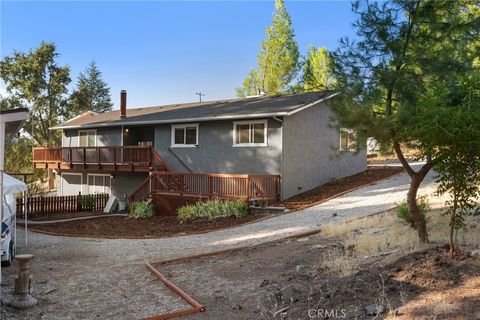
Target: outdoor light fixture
(14, 139)
(126, 130)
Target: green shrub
(403, 213)
(213, 209)
(86, 202)
(139, 210)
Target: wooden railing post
(114, 159)
(85, 158)
(210, 187)
(98, 158)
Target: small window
(252, 133)
(185, 135)
(87, 138)
(348, 140)
(99, 183)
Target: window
(99, 183)
(250, 133)
(185, 135)
(348, 140)
(87, 138)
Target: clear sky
(163, 52)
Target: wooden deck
(209, 186)
(108, 159)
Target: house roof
(255, 107)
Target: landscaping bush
(402, 211)
(213, 209)
(139, 210)
(36, 188)
(86, 202)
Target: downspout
(281, 156)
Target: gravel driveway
(82, 278)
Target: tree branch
(402, 159)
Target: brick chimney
(123, 104)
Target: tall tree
(401, 45)
(278, 60)
(36, 80)
(250, 86)
(91, 94)
(317, 70)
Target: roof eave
(313, 103)
(172, 121)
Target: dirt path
(81, 278)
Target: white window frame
(71, 174)
(348, 132)
(183, 126)
(250, 122)
(102, 175)
(89, 130)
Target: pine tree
(404, 50)
(92, 93)
(278, 60)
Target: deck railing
(213, 186)
(136, 155)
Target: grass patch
(385, 232)
(213, 209)
(338, 261)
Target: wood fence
(41, 206)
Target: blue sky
(163, 52)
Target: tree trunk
(418, 217)
(453, 217)
(416, 178)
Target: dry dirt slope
(246, 284)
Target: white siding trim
(241, 145)
(183, 126)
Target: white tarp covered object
(11, 187)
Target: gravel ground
(82, 278)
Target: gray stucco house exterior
(293, 136)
